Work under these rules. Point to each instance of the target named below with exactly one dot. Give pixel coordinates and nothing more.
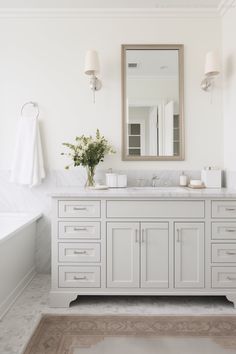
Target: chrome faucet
(154, 180)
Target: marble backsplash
(230, 179)
(16, 198)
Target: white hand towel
(27, 167)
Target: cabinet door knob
(178, 235)
(80, 228)
(231, 253)
(231, 278)
(143, 235)
(80, 252)
(80, 278)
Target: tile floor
(19, 323)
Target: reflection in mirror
(152, 102)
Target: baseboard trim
(12, 297)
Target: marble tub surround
(17, 255)
(20, 322)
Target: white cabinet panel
(189, 255)
(223, 231)
(224, 209)
(123, 255)
(79, 252)
(79, 209)
(223, 253)
(79, 230)
(224, 277)
(155, 209)
(79, 277)
(154, 255)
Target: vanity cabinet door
(154, 255)
(123, 255)
(189, 255)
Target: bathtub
(17, 255)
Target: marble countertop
(143, 192)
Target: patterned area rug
(64, 334)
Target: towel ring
(34, 104)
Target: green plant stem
(90, 176)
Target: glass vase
(90, 176)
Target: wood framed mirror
(152, 102)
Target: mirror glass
(152, 102)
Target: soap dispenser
(183, 180)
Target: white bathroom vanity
(143, 241)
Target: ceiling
(152, 63)
(212, 4)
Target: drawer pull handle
(80, 252)
(230, 230)
(136, 236)
(230, 209)
(231, 278)
(178, 235)
(143, 236)
(80, 228)
(80, 208)
(231, 253)
(80, 278)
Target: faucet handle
(154, 179)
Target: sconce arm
(94, 83)
(207, 84)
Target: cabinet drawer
(223, 231)
(223, 209)
(79, 252)
(79, 229)
(79, 209)
(155, 209)
(224, 253)
(79, 277)
(224, 277)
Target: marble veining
(19, 323)
(145, 192)
(230, 179)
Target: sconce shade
(212, 65)
(91, 62)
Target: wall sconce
(212, 69)
(92, 68)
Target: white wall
(154, 89)
(229, 108)
(42, 60)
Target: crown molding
(110, 13)
(225, 6)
